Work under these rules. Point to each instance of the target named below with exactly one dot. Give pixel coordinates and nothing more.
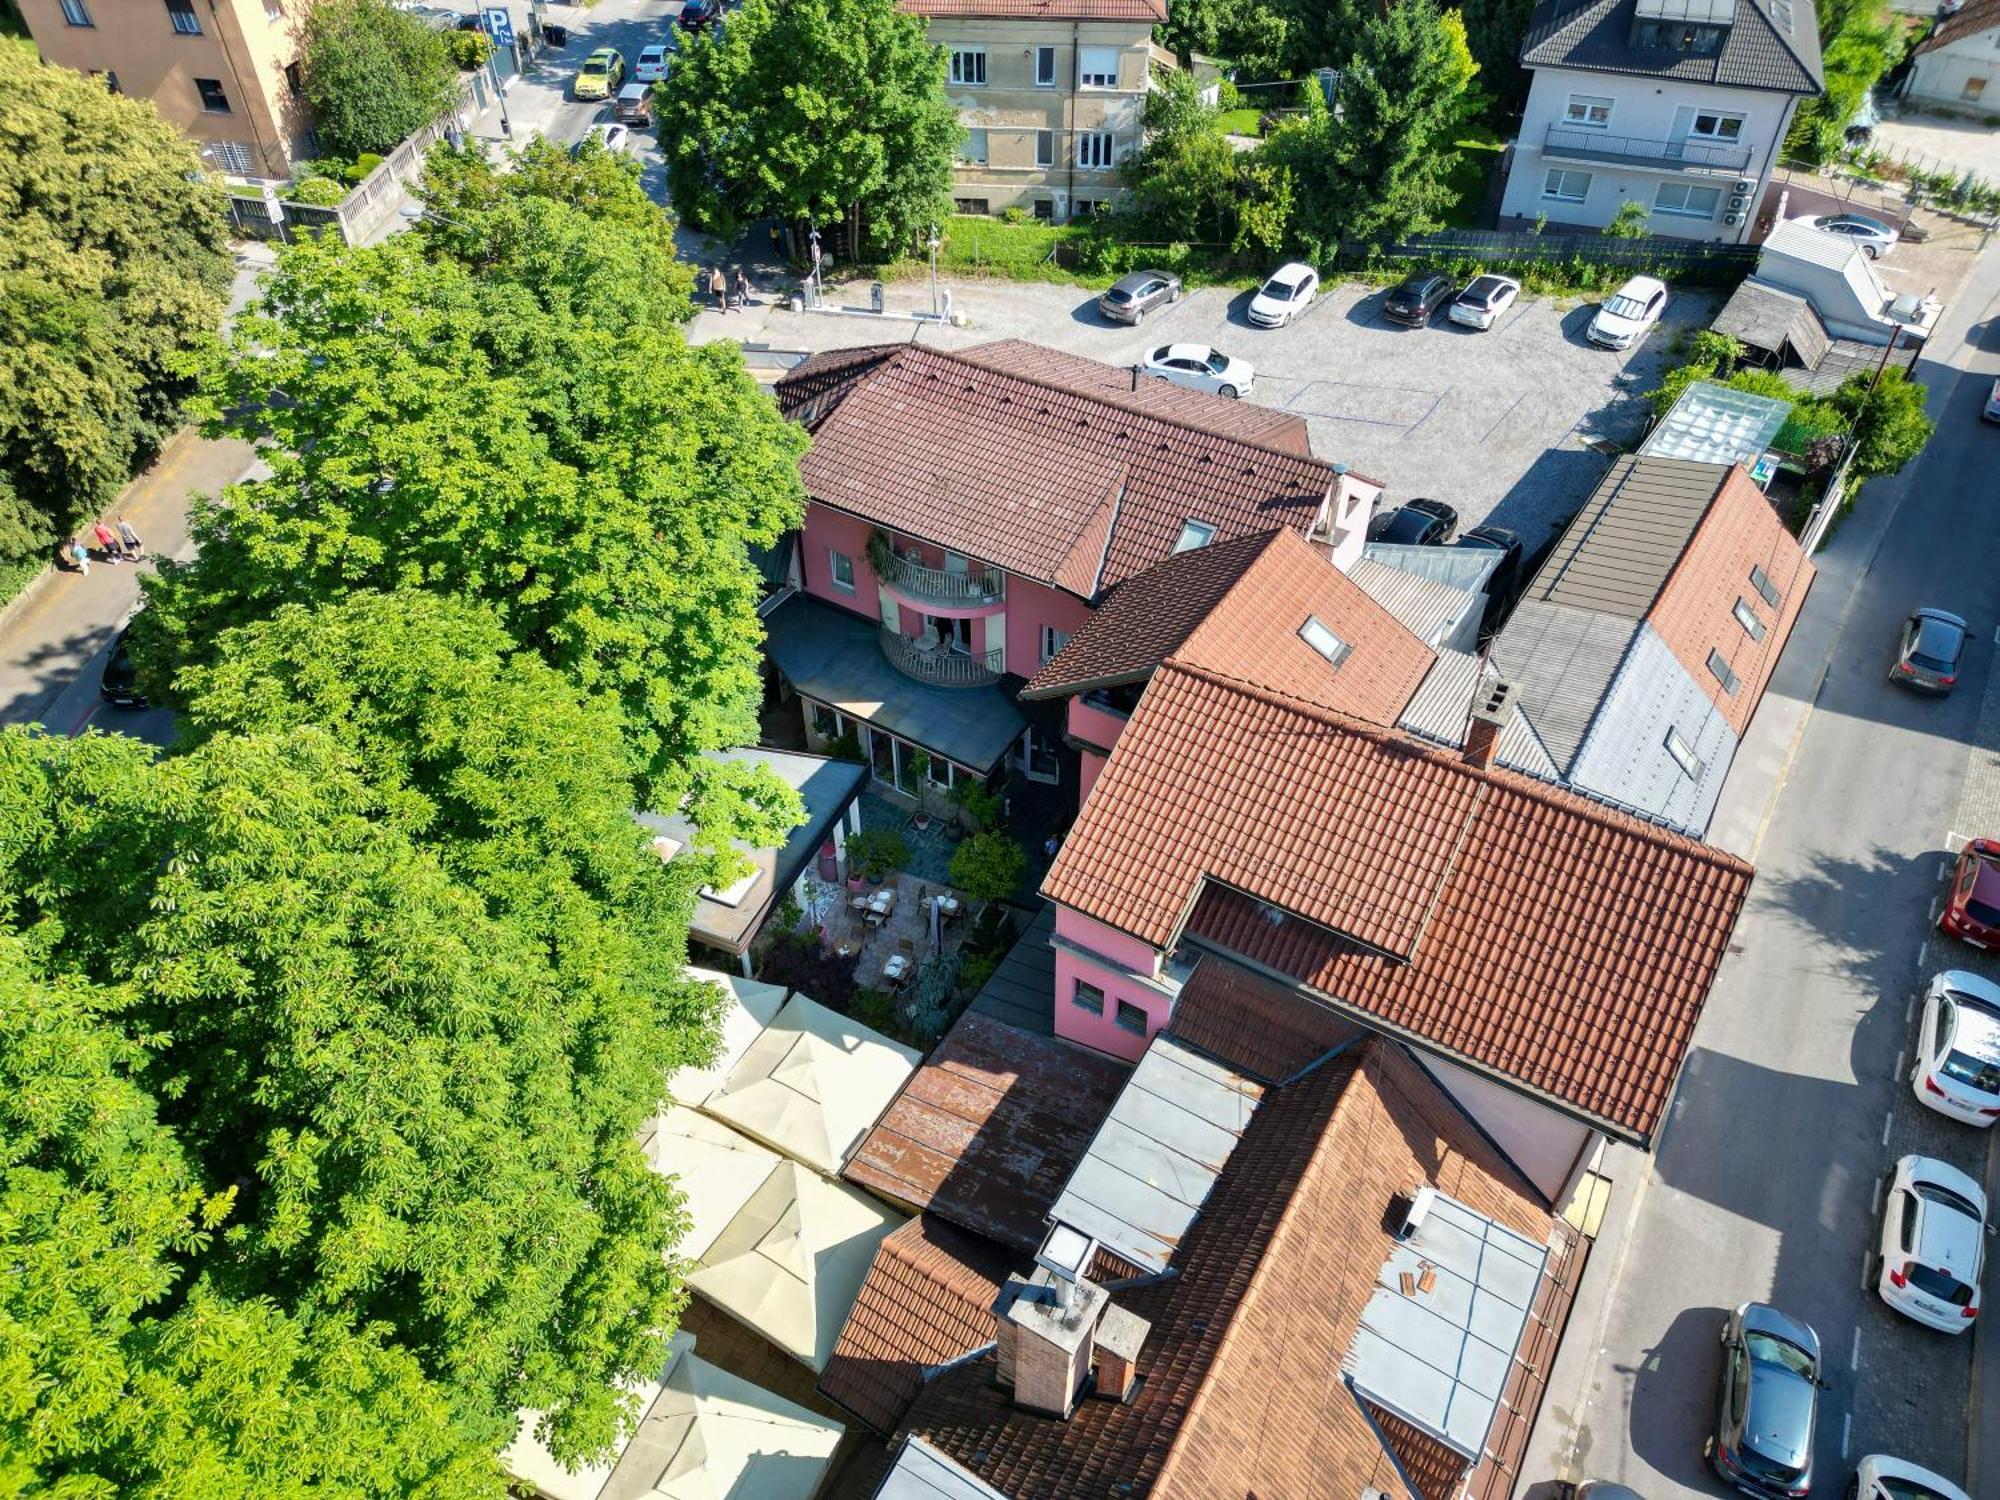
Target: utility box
(877, 298)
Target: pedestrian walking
(107, 540)
(742, 288)
(80, 555)
(133, 546)
(718, 288)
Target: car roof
(659, 47)
(1140, 278)
(1189, 351)
(1935, 629)
(1641, 287)
(1491, 280)
(1779, 1417)
(1291, 270)
(602, 54)
(1944, 615)
(635, 91)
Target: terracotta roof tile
(927, 1299)
(1975, 17)
(987, 1132)
(1509, 923)
(1016, 471)
(1255, 1025)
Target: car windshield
(1939, 1284)
(1622, 306)
(1483, 290)
(1281, 289)
(1777, 1351)
(1906, 1489)
(1945, 1198)
(1981, 1073)
(1982, 913)
(1216, 363)
(1757, 1463)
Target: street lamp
(935, 242)
(812, 234)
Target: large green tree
(1250, 34)
(1495, 30)
(1890, 426)
(373, 74)
(1859, 43)
(1189, 184)
(832, 111)
(112, 263)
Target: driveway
(1497, 424)
(1935, 142)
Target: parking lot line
(1899, 1063)
(1503, 417)
(1854, 1354)
(1887, 1120)
(1846, 1432)
(1923, 954)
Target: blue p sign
(499, 25)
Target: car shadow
(1672, 1409)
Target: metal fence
(1689, 259)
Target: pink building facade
(1111, 990)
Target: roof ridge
(1783, 35)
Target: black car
(1421, 294)
(1420, 523)
(1767, 1403)
(699, 15)
(120, 683)
(1506, 575)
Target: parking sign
(499, 25)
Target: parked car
(1629, 313)
(1875, 238)
(698, 15)
(1500, 582)
(1201, 368)
(1417, 523)
(1595, 1489)
(120, 683)
(1930, 652)
(1991, 411)
(1957, 1071)
(635, 105)
(1481, 304)
(601, 74)
(1972, 906)
(610, 136)
(1880, 1477)
(1132, 297)
(1767, 1403)
(1285, 296)
(652, 64)
(1420, 294)
(1933, 1244)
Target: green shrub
(875, 1009)
(1013, 213)
(988, 866)
(357, 172)
(874, 852)
(469, 49)
(318, 192)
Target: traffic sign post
(499, 25)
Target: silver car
(1931, 650)
(1132, 297)
(1875, 238)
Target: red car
(1972, 909)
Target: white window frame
(1317, 634)
(1194, 535)
(1748, 618)
(1045, 148)
(835, 561)
(1687, 190)
(972, 146)
(1090, 70)
(182, 16)
(1559, 177)
(1053, 640)
(1095, 150)
(1580, 109)
(1045, 55)
(966, 61)
(1717, 117)
(1766, 589)
(939, 764)
(1683, 754)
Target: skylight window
(1766, 590)
(1683, 754)
(1719, 669)
(1747, 618)
(1194, 534)
(1315, 634)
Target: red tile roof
(1255, 1025)
(1151, 11)
(927, 1299)
(1975, 17)
(1018, 472)
(1241, 1390)
(987, 1132)
(1510, 924)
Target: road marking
(1899, 1063)
(1934, 911)
(1923, 954)
(1996, 635)
(1887, 1120)
(1854, 1355)
(1846, 1432)
(1875, 1209)
(1944, 867)
(1909, 1010)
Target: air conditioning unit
(1732, 220)
(1744, 184)
(1738, 203)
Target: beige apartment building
(225, 71)
(1052, 96)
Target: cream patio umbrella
(750, 1005)
(716, 1168)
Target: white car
(608, 135)
(1881, 1477)
(1629, 313)
(1933, 1244)
(1285, 296)
(1201, 368)
(1481, 304)
(1875, 238)
(651, 66)
(1957, 1071)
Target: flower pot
(854, 884)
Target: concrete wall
(1545, 1145)
(1963, 76)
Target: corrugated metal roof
(1156, 1156)
(1439, 712)
(1771, 319)
(1797, 239)
(1439, 1357)
(1426, 608)
(922, 1473)
(1459, 567)
(1561, 660)
(1713, 424)
(1618, 551)
(1625, 759)
(1843, 357)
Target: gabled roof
(1770, 319)
(1240, 606)
(1618, 550)
(1080, 491)
(1150, 11)
(1259, 1027)
(1978, 16)
(1773, 44)
(1513, 925)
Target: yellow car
(600, 74)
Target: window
(186, 22)
(1687, 201)
(1695, 40)
(1045, 67)
(968, 66)
(1767, 590)
(273, 11)
(1053, 640)
(1088, 997)
(213, 100)
(1097, 67)
(1089, 208)
(1045, 151)
(1131, 1018)
(1590, 110)
(1719, 669)
(1683, 754)
(972, 205)
(843, 571)
(1093, 148)
(972, 147)
(1747, 618)
(1194, 534)
(294, 79)
(1045, 209)
(1974, 87)
(826, 723)
(75, 14)
(1566, 187)
(111, 81)
(1711, 126)
(1316, 635)
(938, 772)
(233, 156)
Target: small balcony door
(954, 636)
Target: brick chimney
(1492, 712)
(1120, 1337)
(1047, 1339)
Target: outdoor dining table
(897, 968)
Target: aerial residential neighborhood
(999, 749)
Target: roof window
(1766, 590)
(1194, 534)
(1316, 635)
(1723, 675)
(1683, 754)
(1747, 618)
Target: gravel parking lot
(1497, 424)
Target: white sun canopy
(717, 1170)
(748, 1007)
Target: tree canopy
(1890, 424)
(112, 266)
(373, 74)
(1858, 44)
(832, 111)
(1189, 183)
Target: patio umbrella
(718, 1170)
(937, 925)
(748, 1007)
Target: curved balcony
(938, 667)
(973, 589)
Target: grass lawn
(1478, 145)
(1240, 121)
(993, 247)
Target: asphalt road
(1795, 1100)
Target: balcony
(1574, 143)
(940, 667)
(972, 589)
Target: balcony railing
(943, 585)
(939, 666)
(1579, 144)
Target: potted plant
(988, 866)
(874, 852)
(920, 767)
